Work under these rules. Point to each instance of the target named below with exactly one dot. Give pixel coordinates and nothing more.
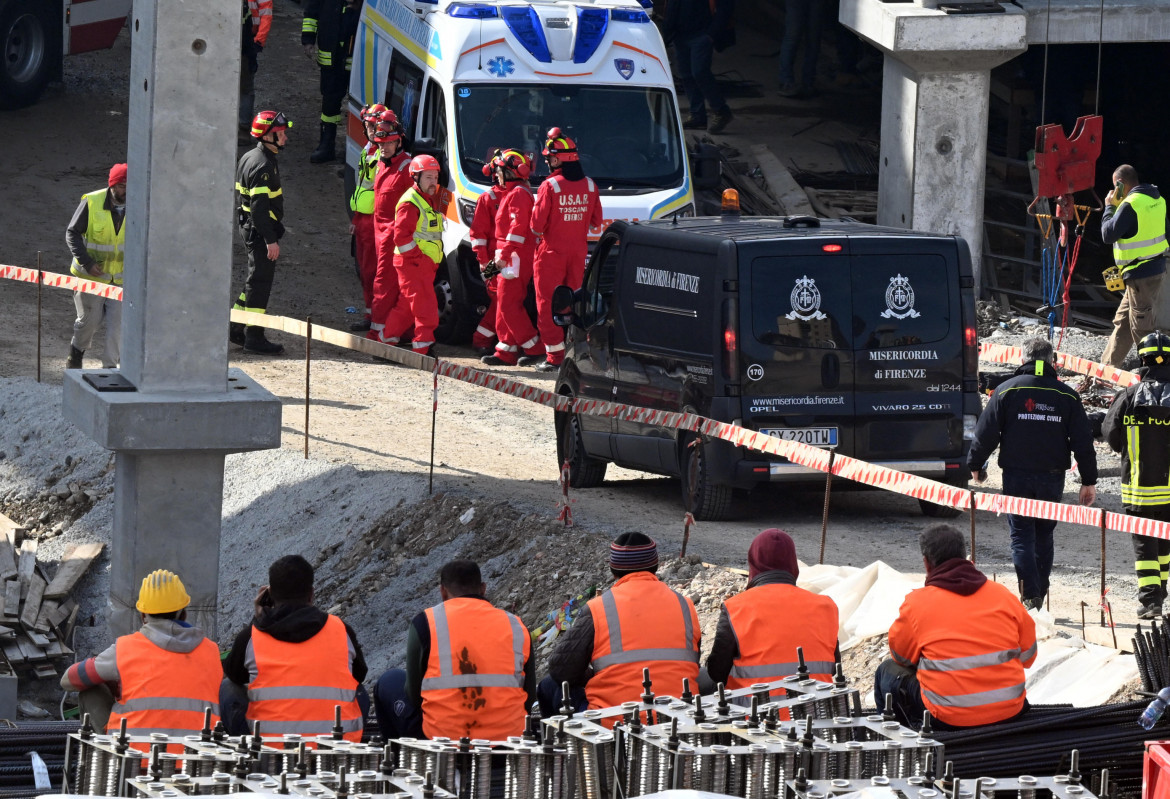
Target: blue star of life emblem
(501, 67)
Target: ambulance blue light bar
(591, 25)
(646, 4)
(525, 26)
(628, 15)
(473, 11)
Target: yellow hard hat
(162, 592)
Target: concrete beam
(1081, 22)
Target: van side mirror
(427, 146)
(705, 167)
(563, 314)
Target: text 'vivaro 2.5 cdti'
(833, 333)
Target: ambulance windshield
(628, 137)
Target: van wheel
(24, 52)
(584, 471)
(706, 501)
(933, 511)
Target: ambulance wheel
(455, 325)
(704, 499)
(24, 52)
(584, 471)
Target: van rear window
(802, 301)
(900, 300)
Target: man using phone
(1134, 223)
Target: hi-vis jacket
(102, 238)
(418, 225)
(362, 199)
(259, 196)
(1137, 230)
(1035, 420)
(1138, 426)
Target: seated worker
(164, 676)
(638, 623)
(297, 662)
(760, 628)
(469, 667)
(959, 646)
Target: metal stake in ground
(434, 413)
(825, 513)
(40, 277)
(308, 363)
(971, 491)
(1102, 566)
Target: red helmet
(560, 145)
(387, 129)
(269, 120)
(372, 113)
(515, 161)
(423, 163)
(490, 167)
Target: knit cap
(772, 550)
(633, 552)
(117, 174)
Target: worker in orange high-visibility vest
(297, 662)
(760, 629)
(161, 678)
(469, 670)
(959, 646)
(638, 623)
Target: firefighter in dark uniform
(1035, 420)
(1138, 426)
(327, 33)
(260, 209)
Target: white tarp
(1067, 670)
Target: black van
(834, 333)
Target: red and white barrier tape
(812, 457)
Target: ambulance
(467, 77)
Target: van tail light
(731, 341)
(970, 353)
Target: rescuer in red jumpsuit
(483, 244)
(392, 181)
(361, 203)
(418, 250)
(515, 247)
(567, 205)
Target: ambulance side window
(435, 115)
(403, 90)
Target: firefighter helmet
(560, 145)
(516, 162)
(423, 163)
(387, 129)
(269, 120)
(1154, 349)
(373, 113)
(494, 161)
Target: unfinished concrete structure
(180, 410)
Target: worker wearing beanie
(760, 629)
(97, 237)
(469, 667)
(638, 623)
(959, 646)
(168, 671)
(298, 663)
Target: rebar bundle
(1151, 650)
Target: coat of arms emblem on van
(806, 301)
(900, 299)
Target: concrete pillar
(935, 96)
(175, 410)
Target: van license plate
(813, 436)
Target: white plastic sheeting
(1066, 671)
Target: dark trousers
(1151, 560)
(692, 56)
(902, 684)
(1032, 545)
(233, 706)
(802, 20)
(548, 694)
(398, 717)
(334, 85)
(261, 271)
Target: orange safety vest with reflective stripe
(641, 623)
(473, 685)
(970, 651)
(165, 691)
(770, 621)
(297, 686)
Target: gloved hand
(489, 270)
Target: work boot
(236, 334)
(695, 122)
(1033, 603)
(529, 360)
(495, 360)
(255, 342)
(719, 121)
(326, 149)
(74, 361)
(360, 327)
(547, 366)
(1150, 612)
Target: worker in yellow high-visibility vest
(1134, 223)
(96, 237)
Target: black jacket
(1146, 407)
(291, 624)
(335, 24)
(1123, 224)
(258, 189)
(687, 18)
(1035, 420)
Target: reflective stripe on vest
(298, 685)
(428, 235)
(448, 678)
(974, 661)
(977, 699)
(618, 654)
(164, 690)
(1150, 239)
(769, 671)
(103, 244)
